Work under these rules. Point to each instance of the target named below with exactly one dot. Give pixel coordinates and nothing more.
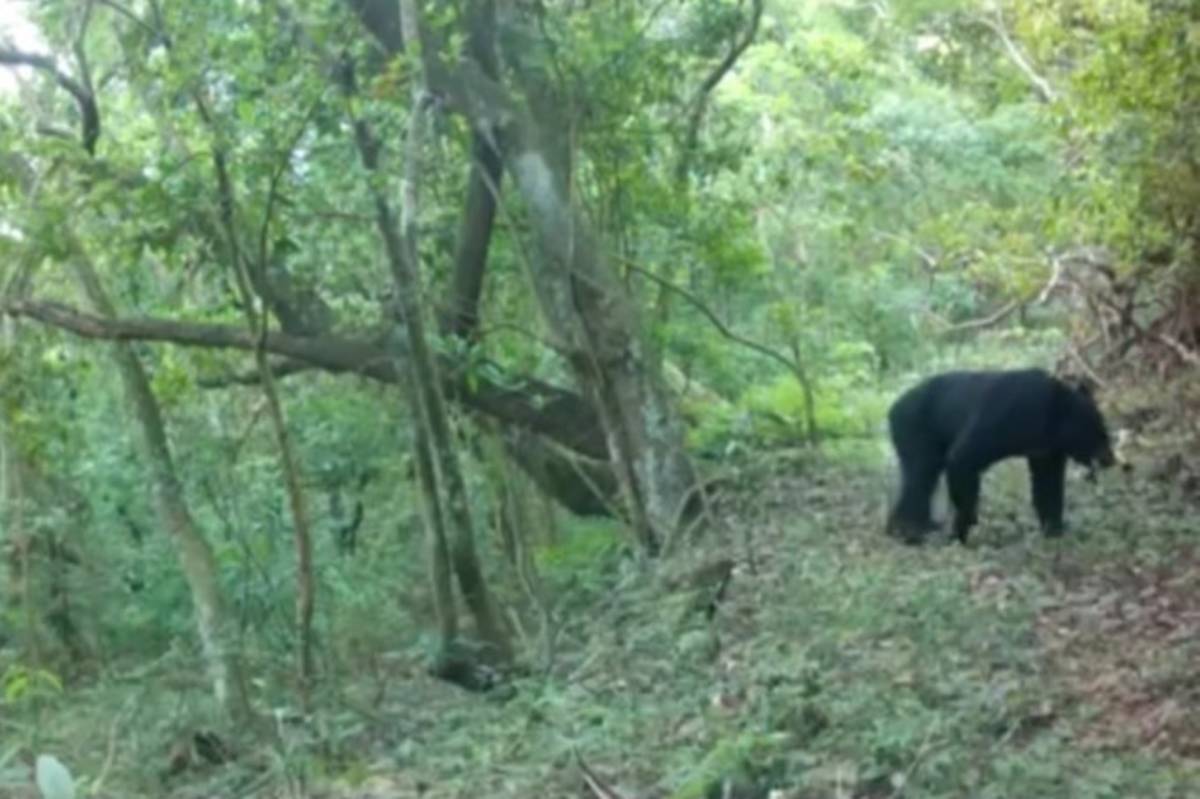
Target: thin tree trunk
(406, 271)
(520, 528)
(16, 544)
(301, 528)
(399, 240)
(580, 292)
(195, 556)
(39, 553)
(811, 431)
(438, 551)
(587, 306)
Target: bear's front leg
(1047, 475)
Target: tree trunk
(301, 529)
(399, 239)
(438, 550)
(15, 544)
(588, 309)
(41, 550)
(579, 290)
(195, 555)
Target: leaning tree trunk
(580, 293)
(258, 326)
(595, 322)
(450, 493)
(195, 556)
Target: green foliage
(845, 407)
(21, 684)
(589, 544)
(737, 761)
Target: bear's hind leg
(911, 518)
(963, 482)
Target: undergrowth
(838, 664)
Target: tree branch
(699, 102)
(461, 314)
(88, 110)
(1040, 85)
(279, 370)
(543, 408)
(984, 322)
(332, 354)
(712, 317)
(996, 317)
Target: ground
(838, 663)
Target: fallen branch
(1179, 349)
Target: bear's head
(1082, 432)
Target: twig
(712, 317)
(699, 102)
(922, 752)
(1052, 284)
(1042, 86)
(129, 15)
(991, 319)
(88, 110)
(111, 754)
(1179, 349)
(598, 788)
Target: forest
(521, 398)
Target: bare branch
(985, 322)
(1177, 346)
(712, 317)
(699, 102)
(1053, 283)
(998, 316)
(543, 408)
(129, 15)
(83, 97)
(995, 23)
(333, 354)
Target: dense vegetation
(460, 398)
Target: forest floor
(837, 664)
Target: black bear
(963, 422)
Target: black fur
(962, 423)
